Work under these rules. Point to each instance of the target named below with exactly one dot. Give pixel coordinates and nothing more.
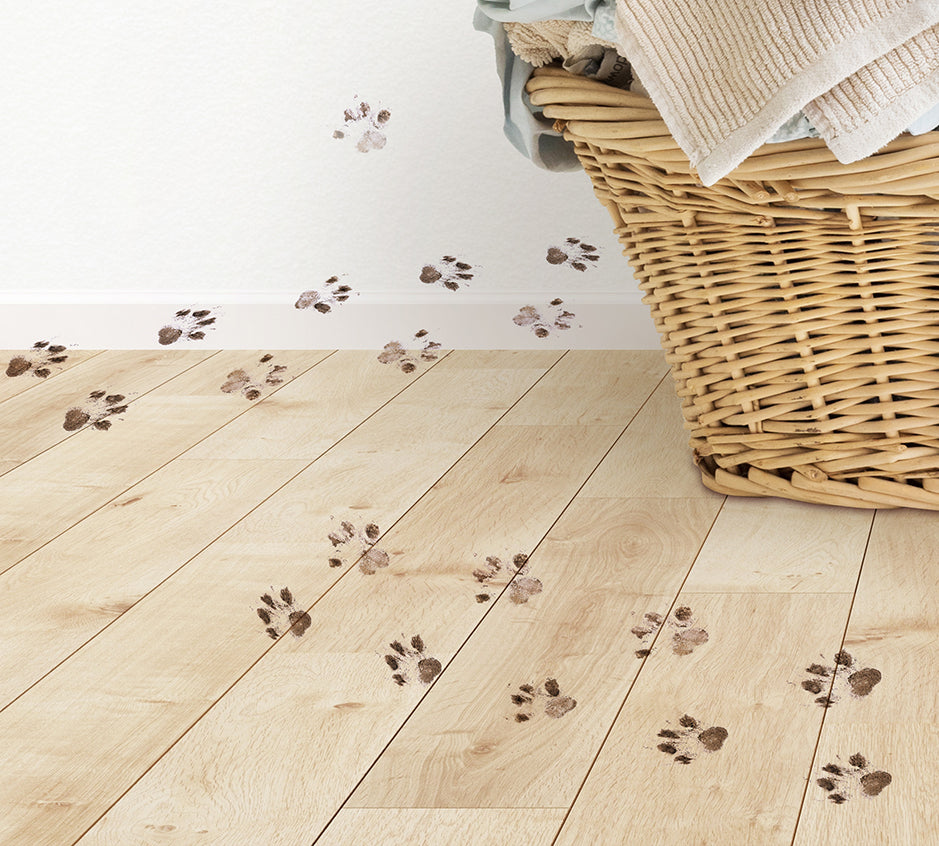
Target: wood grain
(442, 827)
(139, 693)
(893, 630)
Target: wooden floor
(314, 597)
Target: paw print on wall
(37, 360)
(450, 274)
(542, 326)
(365, 122)
(394, 352)
(326, 298)
(188, 324)
(574, 254)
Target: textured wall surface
(200, 155)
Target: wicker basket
(797, 299)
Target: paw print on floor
(326, 298)
(365, 122)
(540, 325)
(574, 253)
(37, 360)
(394, 352)
(187, 324)
(450, 274)
(842, 782)
(362, 544)
(252, 385)
(280, 614)
(97, 408)
(685, 636)
(843, 677)
(530, 698)
(522, 587)
(410, 663)
(689, 740)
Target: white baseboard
(368, 320)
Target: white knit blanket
(725, 74)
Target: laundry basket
(797, 299)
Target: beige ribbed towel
(725, 74)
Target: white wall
(156, 156)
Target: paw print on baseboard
(687, 741)
(394, 352)
(574, 253)
(94, 411)
(367, 123)
(280, 613)
(542, 325)
(252, 385)
(410, 663)
(38, 360)
(685, 636)
(831, 682)
(522, 587)
(362, 544)
(842, 782)
(451, 273)
(326, 298)
(187, 324)
(530, 697)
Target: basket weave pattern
(797, 300)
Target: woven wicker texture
(797, 299)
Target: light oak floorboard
(338, 703)
(893, 630)
(101, 465)
(442, 827)
(744, 680)
(603, 566)
(35, 420)
(129, 694)
(771, 545)
(11, 386)
(652, 458)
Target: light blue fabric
(926, 122)
(527, 11)
(530, 132)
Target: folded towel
(726, 74)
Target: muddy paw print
(542, 325)
(842, 782)
(365, 122)
(97, 408)
(280, 614)
(529, 698)
(685, 634)
(409, 663)
(522, 587)
(451, 273)
(253, 384)
(187, 324)
(37, 360)
(394, 352)
(573, 253)
(687, 741)
(362, 545)
(843, 677)
(326, 298)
